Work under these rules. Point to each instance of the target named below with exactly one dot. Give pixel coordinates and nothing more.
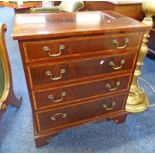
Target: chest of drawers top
(47, 25)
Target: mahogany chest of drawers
(78, 67)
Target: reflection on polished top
(69, 24)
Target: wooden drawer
(62, 117)
(55, 73)
(65, 95)
(54, 49)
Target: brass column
(137, 100)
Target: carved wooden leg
(41, 141)
(17, 102)
(13, 100)
(120, 119)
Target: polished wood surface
(67, 95)
(132, 9)
(66, 48)
(77, 70)
(46, 74)
(65, 116)
(25, 7)
(15, 5)
(39, 26)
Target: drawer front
(57, 118)
(54, 49)
(65, 95)
(71, 70)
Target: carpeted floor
(136, 135)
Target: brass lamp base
(137, 101)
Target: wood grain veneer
(98, 56)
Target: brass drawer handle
(53, 118)
(111, 63)
(109, 108)
(115, 88)
(47, 50)
(51, 97)
(125, 43)
(49, 74)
